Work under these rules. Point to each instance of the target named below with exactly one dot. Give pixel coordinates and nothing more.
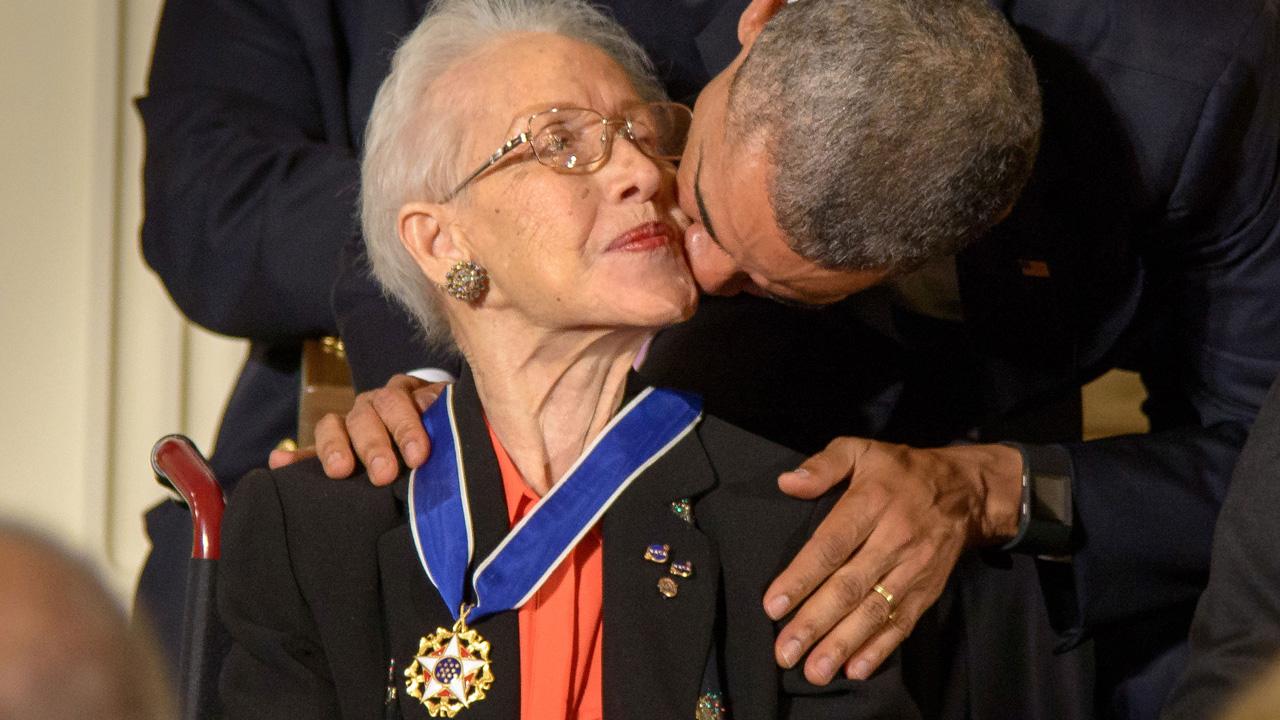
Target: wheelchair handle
(180, 467)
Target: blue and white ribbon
(440, 515)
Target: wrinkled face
(735, 244)
(597, 249)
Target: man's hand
(378, 416)
(901, 526)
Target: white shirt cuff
(432, 375)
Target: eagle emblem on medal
(450, 671)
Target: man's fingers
(424, 397)
(334, 447)
(879, 609)
(886, 639)
(406, 383)
(371, 441)
(888, 612)
(823, 471)
(800, 483)
(841, 532)
(377, 419)
(398, 410)
(845, 639)
(843, 594)
(280, 458)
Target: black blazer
(320, 584)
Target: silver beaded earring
(466, 281)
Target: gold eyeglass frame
(624, 125)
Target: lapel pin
(711, 707)
(668, 587)
(391, 683)
(657, 552)
(683, 509)
(682, 569)
(1034, 268)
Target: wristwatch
(1045, 510)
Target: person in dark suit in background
(1235, 636)
(254, 115)
(596, 547)
(1148, 238)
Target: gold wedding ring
(888, 598)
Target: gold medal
(450, 670)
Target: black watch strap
(1045, 512)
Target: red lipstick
(643, 238)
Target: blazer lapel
(656, 648)
(414, 608)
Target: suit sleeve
(250, 182)
(1146, 505)
(1237, 624)
(276, 667)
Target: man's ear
(429, 234)
(754, 18)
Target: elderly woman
(577, 546)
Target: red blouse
(560, 626)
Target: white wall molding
(98, 362)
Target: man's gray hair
(897, 130)
(416, 128)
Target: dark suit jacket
(254, 115)
(320, 584)
(1236, 633)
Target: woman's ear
(429, 234)
(753, 19)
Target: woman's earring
(466, 281)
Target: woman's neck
(547, 397)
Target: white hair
(416, 128)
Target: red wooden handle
(178, 464)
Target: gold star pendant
(450, 670)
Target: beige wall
(97, 363)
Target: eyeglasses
(573, 140)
